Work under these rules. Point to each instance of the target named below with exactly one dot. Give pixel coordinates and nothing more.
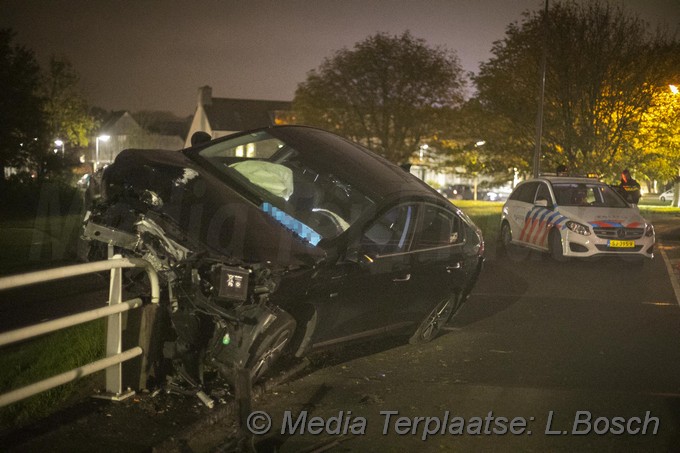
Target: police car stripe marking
(615, 224)
(536, 229)
(550, 225)
(541, 227)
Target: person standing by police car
(629, 187)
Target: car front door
(364, 296)
(519, 206)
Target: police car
(574, 217)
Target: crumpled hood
(604, 217)
(209, 211)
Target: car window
(525, 192)
(587, 194)
(391, 233)
(544, 193)
(294, 188)
(438, 228)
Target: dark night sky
(153, 55)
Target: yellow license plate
(621, 244)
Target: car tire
(431, 325)
(556, 250)
(512, 251)
(663, 199)
(270, 346)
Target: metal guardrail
(114, 355)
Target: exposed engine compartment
(219, 309)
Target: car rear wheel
(556, 250)
(432, 324)
(512, 251)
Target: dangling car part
(284, 240)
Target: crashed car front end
(223, 231)
(217, 301)
(219, 308)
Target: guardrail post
(114, 339)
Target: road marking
(671, 274)
(659, 304)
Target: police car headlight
(649, 230)
(578, 228)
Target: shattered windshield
(583, 194)
(311, 201)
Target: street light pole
(676, 189)
(59, 142)
(103, 138)
(423, 149)
(539, 116)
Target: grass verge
(31, 361)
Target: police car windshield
(587, 194)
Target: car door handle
(458, 265)
(405, 278)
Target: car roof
(567, 179)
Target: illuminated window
(238, 151)
(250, 150)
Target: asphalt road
(545, 356)
(581, 356)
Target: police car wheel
(512, 251)
(506, 235)
(556, 251)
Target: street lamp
(103, 138)
(423, 149)
(59, 142)
(676, 189)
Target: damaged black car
(281, 241)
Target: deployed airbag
(274, 178)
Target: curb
(673, 269)
(179, 443)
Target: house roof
(121, 123)
(227, 114)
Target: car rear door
(439, 265)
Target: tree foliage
(602, 66)
(460, 145)
(388, 93)
(39, 107)
(22, 120)
(65, 108)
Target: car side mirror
(542, 202)
(357, 256)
